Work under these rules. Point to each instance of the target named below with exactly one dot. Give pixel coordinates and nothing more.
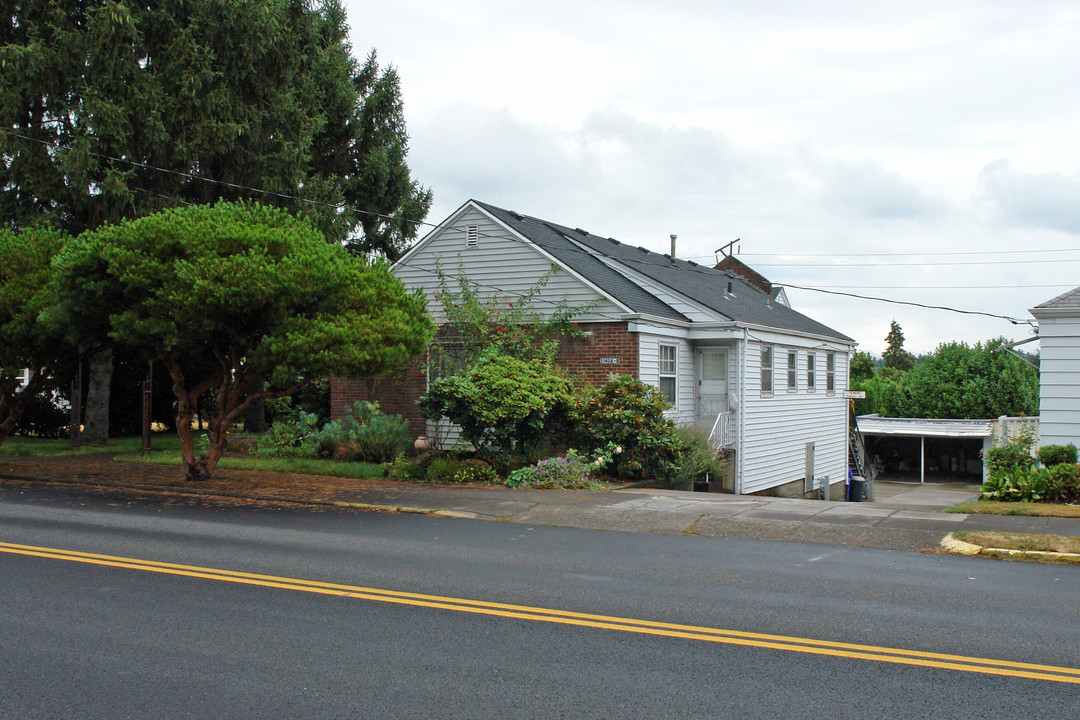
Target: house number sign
(609, 361)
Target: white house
(1059, 369)
(721, 344)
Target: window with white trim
(792, 370)
(811, 372)
(766, 370)
(830, 373)
(669, 363)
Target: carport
(943, 448)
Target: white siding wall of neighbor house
(777, 427)
(499, 260)
(649, 372)
(1059, 380)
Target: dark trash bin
(857, 490)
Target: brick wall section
(581, 356)
(396, 394)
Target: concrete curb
(959, 547)
(374, 507)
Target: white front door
(712, 396)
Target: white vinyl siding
(685, 382)
(1059, 380)
(774, 430)
(500, 261)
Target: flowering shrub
(628, 413)
(568, 472)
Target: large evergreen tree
(114, 109)
(224, 294)
(895, 356)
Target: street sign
(855, 394)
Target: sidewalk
(903, 517)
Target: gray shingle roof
(580, 251)
(1068, 300)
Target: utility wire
(1014, 321)
(624, 261)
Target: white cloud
(1048, 200)
(830, 127)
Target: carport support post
(922, 459)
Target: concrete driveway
(926, 497)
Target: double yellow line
(563, 617)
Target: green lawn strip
(296, 466)
(37, 447)
(1023, 542)
(995, 507)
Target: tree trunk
(13, 403)
(255, 415)
(96, 425)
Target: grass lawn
(1021, 541)
(166, 451)
(995, 507)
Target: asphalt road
(83, 639)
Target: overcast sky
(812, 131)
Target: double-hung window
(766, 369)
(811, 372)
(830, 373)
(669, 363)
(792, 370)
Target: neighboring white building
(1059, 369)
(726, 350)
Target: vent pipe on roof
(673, 237)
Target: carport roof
(920, 427)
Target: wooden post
(147, 405)
(922, 459)
(76, 405)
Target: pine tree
(895, 356)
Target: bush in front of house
(293, 436)
(505, 406)
(1057, 454)
(628, 413)
(365, 434)
(1030, 483)
(697, 459)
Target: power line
(1014, 321)
(623, 261)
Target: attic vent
(580, 231)
(729, 288)
(472, 237)
(517, 215)
(644, 250)
(613, 240)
